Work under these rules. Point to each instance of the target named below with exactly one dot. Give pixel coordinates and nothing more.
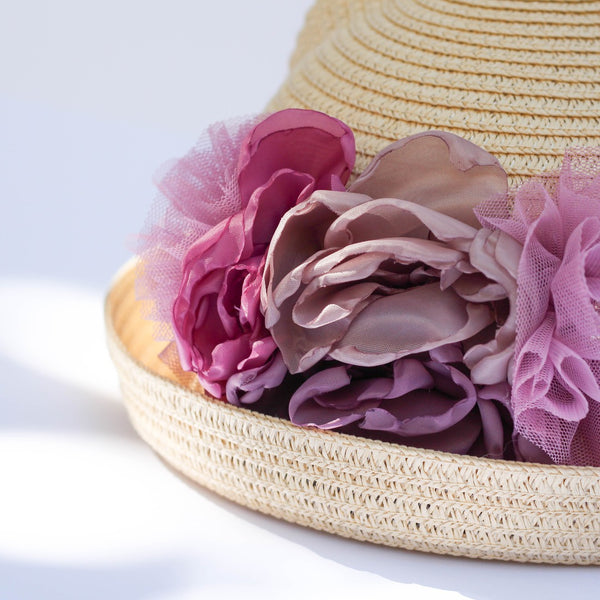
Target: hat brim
(357, 488)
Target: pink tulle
(556, 393)
(195, 193)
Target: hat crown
(521, 79)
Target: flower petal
(268, 203)
(305, 141)
(395, 217)
(425, 412)
(306, 409)
(435, 169)
(577, 317)
(247, 386)
(413, 321)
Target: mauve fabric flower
(424, 401)
(556, 392)
(435, 169)
(218, 326)
(368, 281)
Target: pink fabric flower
(376, 280)
(427, 401)
(556, 392)
(218, 326)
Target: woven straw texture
(519, 78)
(367, 490)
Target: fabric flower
(556, 391)
(424, 401)
(368, 281)
(218, 327)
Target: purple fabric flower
(367, 281)
(556, 392)
(427, 401)
(218, 326)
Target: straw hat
(522, 80)
(519, 78)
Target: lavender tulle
(556, 392)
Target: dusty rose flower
(218, 326)
(368, 281)
(427, 401)
(556, 381)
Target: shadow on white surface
(55, 329)
(35, 402)
(29, 580)
(471, 578)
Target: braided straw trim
(521, 79)
(357, 488)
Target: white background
(94, 96)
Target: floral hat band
(425, 302)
